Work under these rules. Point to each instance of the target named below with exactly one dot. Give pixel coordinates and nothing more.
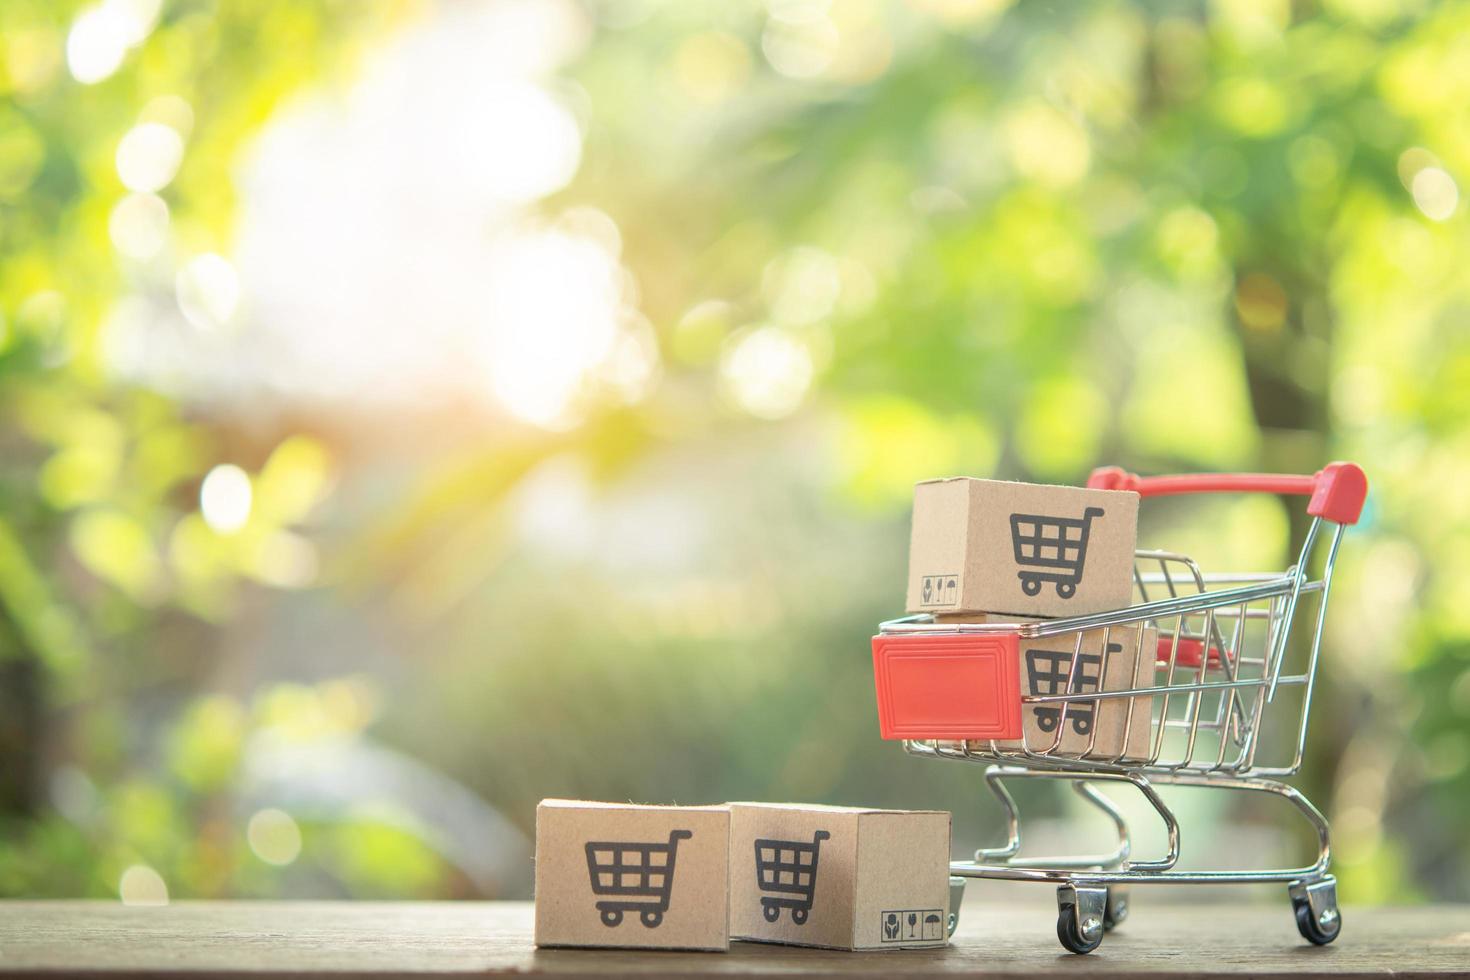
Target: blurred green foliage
(941, 236)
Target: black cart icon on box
(788, 868)
(1051, 549)
(641, 876)
(1048, 671)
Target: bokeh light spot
(96, 44)
(285, 560)
(1260, 302)
(1435, 193)
(802, 285)
(141, 885)
(767, 372)
(224, 498)
(1048, 146)
(800, 48)
(208, 290)
(967, 13)
(711, 65)
(555, 302)
(525, 145)
(274, 836)
(148, 156)
(102, 34)
(1413, 160)
(138, 225)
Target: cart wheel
(651, 917)
(612, 917)
(1081, 909)
(1066, 589)
(1071, 936)
(1319, 928)
(1030, 586)
(1117, 907)
(799, 916)
(771, 912)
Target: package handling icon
(912, 925)
(641, 875)
(788, 868)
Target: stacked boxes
(991, 551)
(1020, 549)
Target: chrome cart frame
(1231, 683)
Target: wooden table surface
(1167, 935)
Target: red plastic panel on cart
(950, 685)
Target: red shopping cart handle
(1337, 490)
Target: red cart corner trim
(949, 686)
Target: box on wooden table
(839, 877)
(1021, 548)
(614, 874)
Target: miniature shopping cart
(1051, 549)
(641, 876)
(1232, 660)
(789, 869)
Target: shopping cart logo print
(940, 590)
(788, 870)
(1048, 672)
(1051, 549)
(636, 877)
(912, 925)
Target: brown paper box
(839, 877)
(1045, 665)
(613, 874)
(1021, 548)
(970, 618)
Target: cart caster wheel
(1066, 589)
(1031, 586)
(771, 912)
(651, 918)
(612, 917)
(956, 896)
(798, 916)
(1315, 906)
(1117, 907)
(1081, 910)
(1071, 936)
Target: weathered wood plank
(419, 940)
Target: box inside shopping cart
(1020, 548)
(839, 877)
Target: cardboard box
(839, 877)
(970, 618)
(613, 874)
(1045, 667)
(1020, 548)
